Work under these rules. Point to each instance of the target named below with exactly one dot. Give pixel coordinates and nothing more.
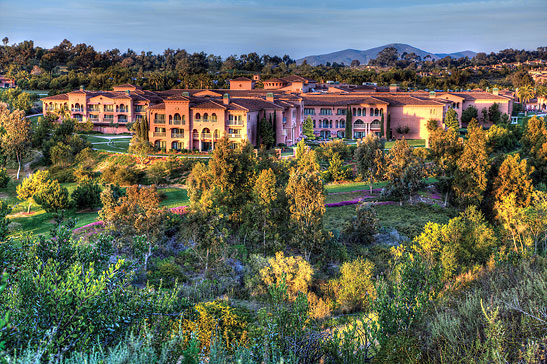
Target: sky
(295, 27)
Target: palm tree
(525, 94)
(157, 79)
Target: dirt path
(26, 167)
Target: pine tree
(335, 168)
(349, 129)
(451, 120)
(274, 128)
(382, 129)
(470, 177)
(307, 128)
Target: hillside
(348, 55)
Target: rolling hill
(348, 55)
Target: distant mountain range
(348, 55)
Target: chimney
(82, 88)
(270, 97)
(226, 99)
(393, 87)
(432, 94)
(495, 91)
(186, 94)
(256, 77)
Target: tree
(469, 113)
(32, 186)
(137, 215)
(61, 155)
(266, 133)
(86, 195)
(444, 149)
(307, 128)
(470, 177)
(451, 120)
(306, 202)
(349, 125)
(369, 157)
(223, 185)
(494, 113)
(514, 176)
(534, 146)
(336, 168)
(354, 289)
(16, 139)
(525, 94)
(404, 171)
(53, 197)
(265, 198)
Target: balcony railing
(91, 118)
(178, 122)
(235, 135)
(177, 135)
(159, 134)
(197, 120)
(93, 109)
(205, 135)
(235, 123)
(78, 110)
(195, 136)
(159, 121)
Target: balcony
(237, 136)
(178, 122)
(77, 110)
(94, 118)
(93, 109)
(159, 121)
(159, 134)
(177, 135)
(197, 120)
(205, 135)
(235, 123)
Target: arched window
(176, 119)
(381, 111)
(375, 112)
(354, 111)
(213, 117)
(375, 124)
(198, 116)
(371, 111)
(325, 123)
(205, 117)
(364, 111)
(359, 124)
(170, 119)
(359, 112)
(195, 134)
(183, 119)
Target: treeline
(67, 66)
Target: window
(213, 117)
(309, 111)
(341, 112)
(342, 124)
(198, 117)
(122, 118)
(159, 118)
(139, 117)
(325, 111)
(139, 108)
(108, 108)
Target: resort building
(6, 82)
(196, 119)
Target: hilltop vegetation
(342, 254)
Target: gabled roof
(60, 97)
(255, 104)
(210, 104)
(157, 107)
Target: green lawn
(351, 186)
(115, 146)
(412, 142)
(40, 222)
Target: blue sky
(297, 28)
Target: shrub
(354, 289)
(62, 174)
(53, 198)
(296, 272)
(217, 316)
(122, 175)
(4, 178)
(363, 226)
(86, 195)
(166, 271)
